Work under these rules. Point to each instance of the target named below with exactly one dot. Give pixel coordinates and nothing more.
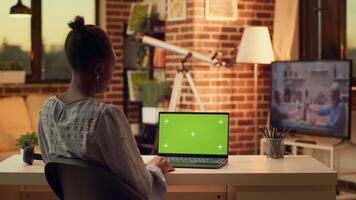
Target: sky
(55, 16)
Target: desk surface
(240, 170)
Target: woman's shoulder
(49, 103)
(100, 107)
(111, 110)
(85, 104)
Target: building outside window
(15, 35)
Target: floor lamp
(255, 47)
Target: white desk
(247, 177)
(330, 145)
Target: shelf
(319, 70)
(294, 79)
(341, 79)
(346, 196)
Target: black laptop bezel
(196, 155)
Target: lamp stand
(255, 72)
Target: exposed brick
(12, 90)
(268, 7)
(182, 29)
(263, 15)
(254, 22)
(211, 29)
(202, 36)
(245, 137)
(237, 98)
(236, 145)
(228, 29)
(235, 37)
(228, 44)
(245, 106)
(219, 37)
(254, 7)
(246, 14)
(31, 89)
(232, 138)
(241, 6)
(243, 122)
(211, 44)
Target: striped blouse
(90, 130)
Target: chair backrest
(73, 179)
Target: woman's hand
(312, 109)
(162, 163)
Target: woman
(76, 125)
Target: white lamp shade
(255, 46)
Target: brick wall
(117, 12)
(224, 90)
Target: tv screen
(312, 97)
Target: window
(15, 36)
(338, 33)
(351, 33)
(322, 34)
(55, 16)
(38, 41)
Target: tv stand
(311, 142)
(306, 141)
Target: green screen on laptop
(188, 133)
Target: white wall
(347, 156)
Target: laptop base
(193, 164)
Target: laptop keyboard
(194, 160)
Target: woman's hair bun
(77, 23)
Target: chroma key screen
(193, 133)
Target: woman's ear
(99, 69)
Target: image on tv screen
(311, 97)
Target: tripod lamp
(255, 48)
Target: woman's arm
(120, 153)
(42, 141)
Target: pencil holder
(275, 148)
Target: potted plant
(12, 72)
(27, 139)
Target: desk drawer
(196, 192)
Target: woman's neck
(79, 88)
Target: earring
(97, 78)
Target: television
(312, 97)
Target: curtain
(286, 30)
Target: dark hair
(85, 45)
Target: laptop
(194, 139)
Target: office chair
(74, 179)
